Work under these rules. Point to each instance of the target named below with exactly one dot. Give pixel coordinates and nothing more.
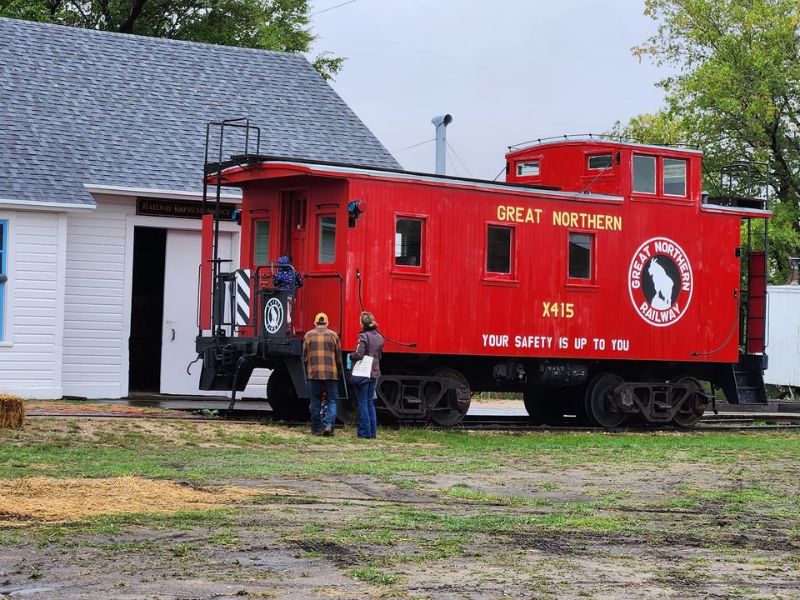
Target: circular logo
(660, 282)
(273, 315)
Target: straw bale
(32, 500)
(12, 411)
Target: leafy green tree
(735, 94)
(661, 128)
(266, 24)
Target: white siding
(31, 354)
(95, 323)
(784, 335)
(257, 386)
(99, 273)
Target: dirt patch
(55, 407)
(174, 434)
(336, 553)
(36, 500)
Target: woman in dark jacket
(370, 343)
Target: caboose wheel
(541, 405)
(455, 403)
(694, 406)
(283, 399)
(601, 407)
(533, 404)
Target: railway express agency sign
(660, 282)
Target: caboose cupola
(607, 167)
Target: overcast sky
(507, 70)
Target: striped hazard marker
(242, 283)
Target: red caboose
(597, 279)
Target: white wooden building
(102, 144)
(783, 339)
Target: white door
(180, 311)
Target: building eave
(14, 204)
(116, 190)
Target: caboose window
(408, 242)
(327, 239)
(644, 174)
(498, 249)
(600, 161)
(674, 177)
(528, 168)
(260, 242)
(298, 210)
(580, 255)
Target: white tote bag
(363, 368)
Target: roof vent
(794, 267)
(441, 122)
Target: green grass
(372, 576)
(465, 492)
(114, 525)
(753, 499)
(571, 517)
(122, 448)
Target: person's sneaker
(316, 433)
(327, 432)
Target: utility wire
(466, 168)
(452, 162)
(414, 145)
(319, 12)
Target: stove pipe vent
(794, 267)
(441, 122)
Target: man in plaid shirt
(321, 355)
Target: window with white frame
(3, 275)
(674, 177)
(529, 168)
(408, 234)
(644, 174)
(599, 162)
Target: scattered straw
(87, 407)
(12, 411)
(33, 500)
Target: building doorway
(147, 307)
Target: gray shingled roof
(80, 106)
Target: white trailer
(783, 318)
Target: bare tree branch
(136, 9)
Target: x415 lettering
(555, 310)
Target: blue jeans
(367, 419)
(318, 420)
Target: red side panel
(206, 254)
(757, 301)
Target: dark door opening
(147, 309)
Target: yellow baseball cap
(321, 319)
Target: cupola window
(528, 168)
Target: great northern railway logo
(273, 315)
(660, 282)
